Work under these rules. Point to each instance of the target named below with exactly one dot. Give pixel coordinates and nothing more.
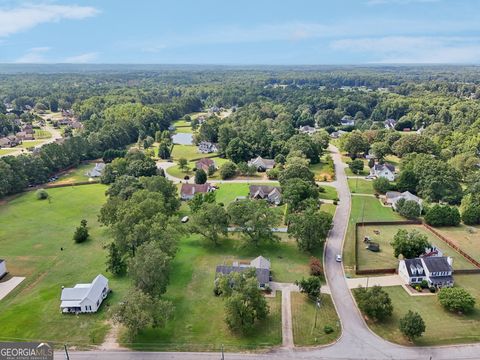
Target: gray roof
(260, 263)
(441, 279)
(380, 167)
(263, 275)
(437, 264)
(80, 292)
(415, 264)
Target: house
(28, 128)
(205, 164)
(386, 171)
(390, 124)
(272, 194)
(307, 129)
(206, 147)
(188, 191)
(392, 197)
(3, 268)
(22, 135)
(9, 141)
(97, 171)
(436, 270)
(85, 298)
(260, 264)
(262, 164)
(347, 121)
(337, 134)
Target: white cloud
(413, 49)
(34, 55)
(25, 17)
(82, 58)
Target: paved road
(357, 341)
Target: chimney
(450, 261)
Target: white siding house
(3, 268)
(436, 270)
(85, 298)
(386, 171)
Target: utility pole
(317, 306)
(223, 355)
(66, 352)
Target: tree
(81, 232)
(316, 266)
(296, 171)
(164, 150)
(414, 143)
(456, 299)
(409, 244)
(374, 302)
(200, 176)
(310, 228)
(310, 286)
(244, 301)
(470, 209)
(211, 221)
(228, 170)
(201, 198)
(150, 269)
(408, 208)
(407, 181)
(255, 219)
(356, 166)
(139, 310)
(115, 262)
(183, 164)
(439, 215)
(238, 150)
(41, 194)
(412, 325)
(380, 150)
(381, 185)
(299, 194)
(354, 143)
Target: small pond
(183, 139)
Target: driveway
(9, 285)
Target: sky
(243, 32)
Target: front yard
(360, 186)
(442, 327)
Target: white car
(338, 258)
(185, 219)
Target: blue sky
(240, 32)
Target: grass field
(75, 175)
(30, 143)
(364, 208)
(384, 258)
(442, 327)
(42, 134)
(31, 235)
(465, 237)
(7, 151)
(361, 186)
(329, 194)
(330, 208)
(199, 315)
(189, 152)
(177, 172)
(182, 126)
(303, 319)
(322, 172)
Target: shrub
(272, 174)
(327, 329)
(442, 215)
(228, 170)
(409, 208)
(200, 176)
(456, 299)
(310, 286)
(356, 166)
(41, 194)
(412, 325)
(316, 267)
(381, 185)
(424, 284)
(81, 232)
(374, 302)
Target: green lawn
(177, 172)
(75, 175)
(303, 313)
(465, 237)
(182, 126)
(227, 192)
(330, 193)
(42, 134)
(30, 143)
(7, 151)
(348, 172)
(189, 152)
(384, 258)
(322, 172)
(442, 327)
(361, 186)
(364, 208)
(198, 323)
(31, 235)
(330, 208)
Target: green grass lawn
(364, 208)
(330, 208)
(7, 151)
(366, 170)
(30, 143)
(361, 186)
(465, 237)
(31, 235)
(330, 193)
(189, 152)
(384, 258)
(303, 313)
(75, 175)
(177, 172)
(42, 134)
(182, 126)
(322, 172)
(198, 323)
(442, 327)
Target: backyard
(465, 237)
(77, 174)
(442, 327)
(384, 259)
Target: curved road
(357, 341)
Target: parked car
(338, 258)
(185, 219)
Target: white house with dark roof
(262, 164)
(85, 298)
(347, 121)
(386, 171)
(206, 147)
(97, 171)
(392, 197)
(436, 270)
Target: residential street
(356, 342)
